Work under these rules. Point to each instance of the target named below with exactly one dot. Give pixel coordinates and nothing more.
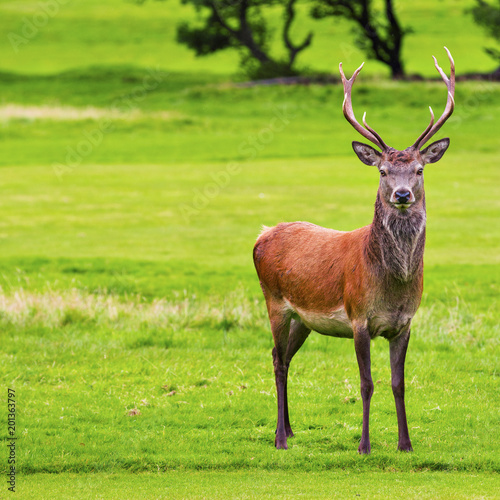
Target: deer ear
(434, 152)
(367, 154)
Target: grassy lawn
(265, 484)
(132, 325)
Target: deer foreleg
(398, 349)
(362, 346)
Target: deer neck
(396, 242)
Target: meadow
(135, 179)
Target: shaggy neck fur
(397, 240)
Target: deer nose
(402, 196)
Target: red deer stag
(359, 284)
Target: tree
(488, 16)
(240, 24)
(379, 39)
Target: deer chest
(390, 323)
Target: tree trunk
(397, 71)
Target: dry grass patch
(10, 112)
(20, 308)
(54, 309)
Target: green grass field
(134, 181)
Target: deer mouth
(403, 206)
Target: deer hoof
(280, 443)
(405, 447)
(364, 449)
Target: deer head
(401, 172)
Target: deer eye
(383, 173)
(420, 171)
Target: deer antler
(432, 128)
(367, 132)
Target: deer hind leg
(279, 318)
(288, 335)
(298, 334)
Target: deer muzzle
(402, 198)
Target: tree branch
(293, 50)
(243, 33)
(218, 17)
(381, 42)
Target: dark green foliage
(241, 25)
(487, 15)
(205, 40)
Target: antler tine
(379, 139)
(367, 132)
(450, 103)
(424, 133)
